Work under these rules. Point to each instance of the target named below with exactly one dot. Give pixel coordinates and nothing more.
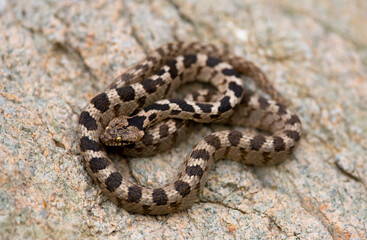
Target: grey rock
(56, 55)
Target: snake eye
(118, 139)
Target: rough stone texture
(56, 55)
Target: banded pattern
(163, 135)
(136, 93)
(126, 130)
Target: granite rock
(56, 55)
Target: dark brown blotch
(113, 181)
(152, 117)
(213, 141)
(157, 106)
(159, 196)
(200, 153)
(281, 109)
(88, 144)
(183, 188)
(212, 62)
(278, 144)
(126, 93)
(293, 120)
(160, 72)
(147, 139)
(101, 102)
(257, 142)
(149, 85)
(230, 72)
(159, 81)
(264, 103)
(183, 105)
(163, 130)
(189, 60)
(134, 194)
(135, 112)
(225, 105)
(234, 138)
(88, 121)
(207, 108)
(293, 134)
(137, 121)
(237, 89)
(96, 164)
(172, 68)
(194, 171)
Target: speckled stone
(56, 55)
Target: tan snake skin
(156, 77)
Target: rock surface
(56, 55)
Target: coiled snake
(130, 113)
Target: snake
(136, 113)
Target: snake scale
(130, 113)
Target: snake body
(137, 100)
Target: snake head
(120, 133)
